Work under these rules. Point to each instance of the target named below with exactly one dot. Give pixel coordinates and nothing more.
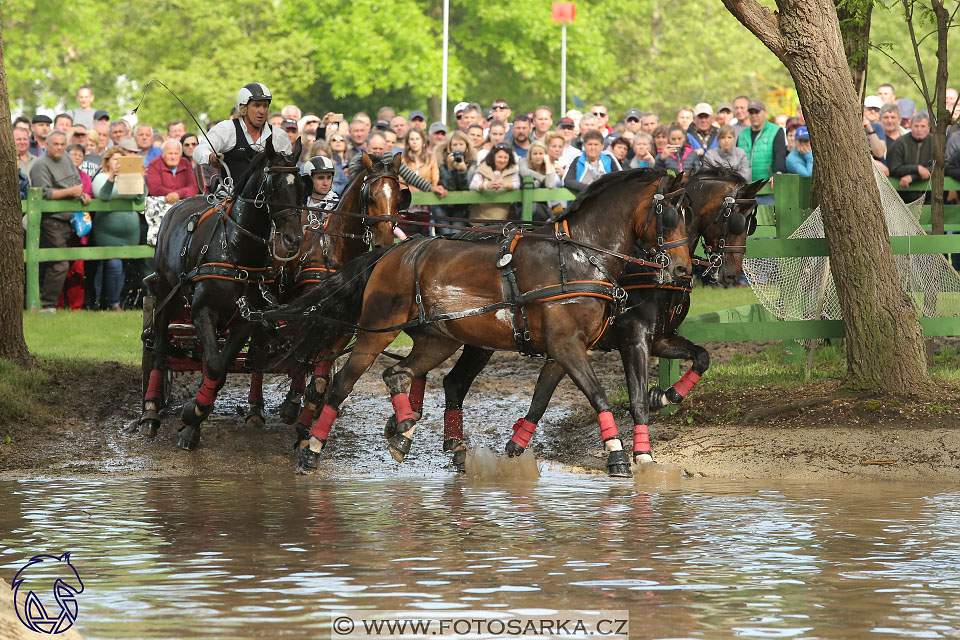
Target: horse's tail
(328, 311)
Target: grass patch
(92, 336)
(20, 391)
(706, 299)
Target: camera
(457, 156)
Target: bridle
(664, 219)
(731, 226)
(260, 202)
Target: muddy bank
(12, 629)
(758, 433)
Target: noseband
(730, 202)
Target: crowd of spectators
(75, 155)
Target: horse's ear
(367, 162)
(750, 191)
(676, 182)
(297, 150)
(307, 180)
(397, 161)
(65, 557)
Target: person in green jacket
(765, 144)
(113, 228)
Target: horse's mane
(717, 172)
(603, 184)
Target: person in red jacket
(170, 175)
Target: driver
(321, 172)
(235, 142)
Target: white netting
(803, 288)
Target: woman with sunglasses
(201, 173)
(339, 153)
(497, 172)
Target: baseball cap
(417, 114)
(724, 106)
(436, 127)
(289, 123)
(100, 114)
(701, 108)
(127, 143)
(565, 123)
(872, 102)
(631, 113)
(460, 107)
(40, 118)
(802, 133)
(756, 105)
(383, 125)
(907, 108)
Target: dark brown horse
(448, 293)
(209, 257)
(723, 213)
(364, 218)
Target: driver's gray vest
(238, 159)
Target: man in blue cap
(800, 160)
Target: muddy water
(267, 557)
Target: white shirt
(223, 137)
(569, 155)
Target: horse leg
(550, 376)
(152, 399)
(632, 341)
(418, 387)
(427, 354)
(369, 346)
(215, 368)
(313, 396)
(455, 386)
(290, 408)
(572, 356)
(678, 347)
(255, 355)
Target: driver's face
(257, 112)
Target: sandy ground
(816, 432)
(12, 629)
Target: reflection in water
(246, 557)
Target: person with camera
(678, 155)
(421, 162)
(497, 172)
(457, 160)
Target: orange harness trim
(209, 212)
(606, 323)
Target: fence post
(526, 199)
(32, 248)
(786, 203)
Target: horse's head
(381, 197)
(725, 214)
(662, 229)
(284, 193)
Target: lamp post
(446, 42)
(563, 12)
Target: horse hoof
(303, 434)
(254, 417)
(189, 437)
(655, 399)
(618, 464)
(513, 449)
(150, 428)
(643, 458)
(308, 457)
(289, 411)
(460, 460)
(189, 413)
(390, 429)
(399, 446)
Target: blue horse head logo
(51, 580)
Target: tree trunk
(12, 344)
(885, 350)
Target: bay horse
(723, 214)
(446, 293)
(209, 257)
(364, 218)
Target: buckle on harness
(504, 260)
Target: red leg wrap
(306, 417)
(321, 428)
(684, 384)
(154, 385)
(453, 424)
(256, 388)
(523, 431)
(641, 439)
(608, 426)
(208, 392)
(417, 388)
(323, 367)
(401, 407)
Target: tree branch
(949, 26)
(760, 21)
(897, 62)
(925, 92)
